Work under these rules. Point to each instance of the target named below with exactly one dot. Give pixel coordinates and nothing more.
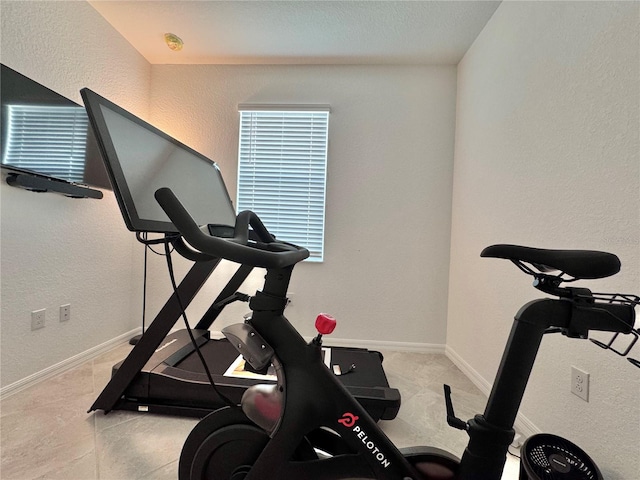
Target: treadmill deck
(174, 381)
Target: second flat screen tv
(46, 135)
(140, 159)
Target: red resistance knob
(325, 324)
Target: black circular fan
(548, 457)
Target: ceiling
(300, 31)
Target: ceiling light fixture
(173, 41)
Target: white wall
(57, 250)
(391, 134)
(547, 155)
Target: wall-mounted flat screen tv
(141, 159)
(47, 135)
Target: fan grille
(548, 457)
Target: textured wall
(57, 250)
(388, 184)
(547, 155)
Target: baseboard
(471, 373)
(386, 345)
(67, 364)
(523, 425)
(372, 344)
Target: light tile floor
(45, 432)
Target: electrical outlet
(37, 319)
(580, 383)
(65, 312)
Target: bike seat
(580, 264)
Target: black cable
(512, 454)
(224, 398)
(159, 253)
(169, 238)
(144, 290)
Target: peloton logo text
(349, 420)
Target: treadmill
(163, 373)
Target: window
(282, 164)
(47, 139)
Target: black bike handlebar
(267, 252)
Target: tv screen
(140, 159)
(46, 134)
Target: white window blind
(282, 164)
(47, 139)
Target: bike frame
(314, 398)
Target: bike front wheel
(223, 446)
(228, 453)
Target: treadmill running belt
(220, 354)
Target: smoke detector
(173, 41)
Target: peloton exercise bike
(275, 432)
(164, 373)
(268, 438)
(271, 436)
